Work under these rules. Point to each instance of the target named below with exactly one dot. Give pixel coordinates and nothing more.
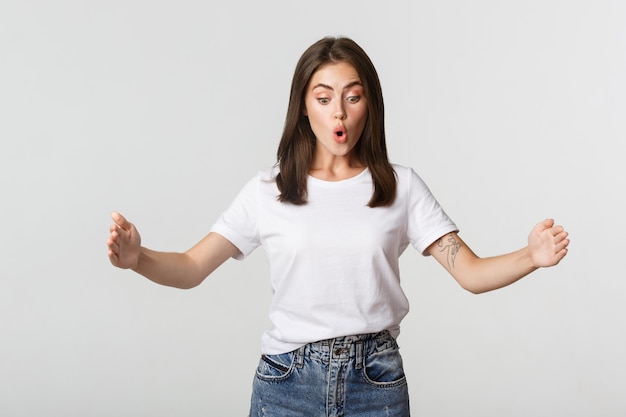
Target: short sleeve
(239, 223)
(427, 221)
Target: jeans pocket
(384, 368)
(275, 367)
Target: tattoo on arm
(449, 244)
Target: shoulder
(268, 174)
(264, 175)
(401, 171)
(409, 180)
(259, 182)
(406, 174)
(263, 184)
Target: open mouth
(340, 134)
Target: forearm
(169, 268)
(486, 274)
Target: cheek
(315, 116)
(313, 123)
(360, 116)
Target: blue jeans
(353, 376)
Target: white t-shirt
(333, 261)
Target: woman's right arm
(180, 270)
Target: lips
(340, 134)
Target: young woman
(334, 216)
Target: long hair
(297, 145)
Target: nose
(340, 114)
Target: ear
(304, 112)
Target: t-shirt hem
(422, 245)
(234, 238)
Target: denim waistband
(347, 347)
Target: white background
(512, 111)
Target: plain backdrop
(511, 111)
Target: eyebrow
(346, 87)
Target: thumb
(548, 223)
(120, 221)
(541, 227)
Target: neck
(336, 168)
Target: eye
(323, 100)
(353, 99)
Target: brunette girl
(334, 215)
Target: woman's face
(336, 106)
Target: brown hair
(295, 151)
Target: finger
(118, 233)
(114, 227)
(116, 241)
(560, 249)
(115, 235)
(548, 223)
(113, 246)
(113, 258)
(120, 220)
(560, 237)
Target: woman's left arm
(547, 245)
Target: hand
(547, 244)
(124, 242)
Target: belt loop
(300, 357)
(359, 355)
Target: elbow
(192, 275)
(479, 286)
(186, 283)
(191, 283)
(179, 285)
(187, 286)
(474, 290)
(471, 288)
(472, 285)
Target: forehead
(335, 73)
